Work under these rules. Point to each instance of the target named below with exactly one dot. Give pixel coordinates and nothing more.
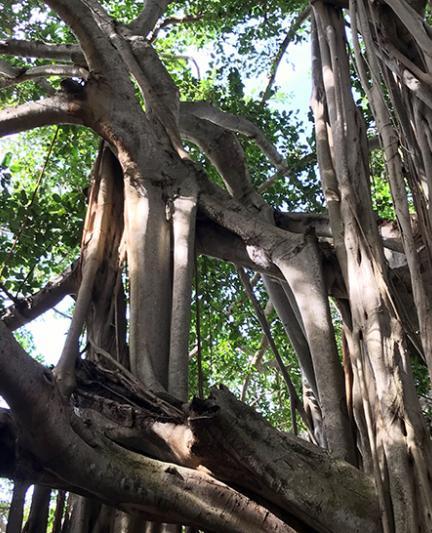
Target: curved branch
(174, 21)
(290, 476)
(223, 149)
(238, 124)
(42, 71)
(147, 19)
(59, 109)
(93, 40)
(161, 94)
(215, 241)
(93, 464)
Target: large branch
(59, 109)
(223, 149)
(94, 41)
(86, 450)
(231, 122)
(85, 460)
(39, 49)
(147, 19)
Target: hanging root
(92, 252)
(183, 223)
(303, 273)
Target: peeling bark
(379, 359)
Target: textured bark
(148, 252)
(183, 221)
(106, 317)
(208, 435)
(131, 456)
(94, 247)
(376, 347)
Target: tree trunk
(16, 510)
(38, 519)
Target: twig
(282, 49)
(174, 21)
(64, 315)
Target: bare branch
(59, 109)
(147, 19)
(174, 21)
(294, 399)
(241, 125)
(223, 149)
(78, 454)
(214, 241)
(160, 92)
(39, 49)
(42, 71)
(27, 309)
(295, 26)
(278, 468)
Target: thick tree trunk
(209, 436)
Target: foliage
(6, 488)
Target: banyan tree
(124, 427)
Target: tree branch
(295, 26)
(80, 452)
(42, 71)
(223, 149)
(173, 21)
(39, 49)
(59, 109)
(94, 41)
(294, 399)
(295, 482)
(215, 241)
(231, 122)
(147, 19)
(27, 309)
